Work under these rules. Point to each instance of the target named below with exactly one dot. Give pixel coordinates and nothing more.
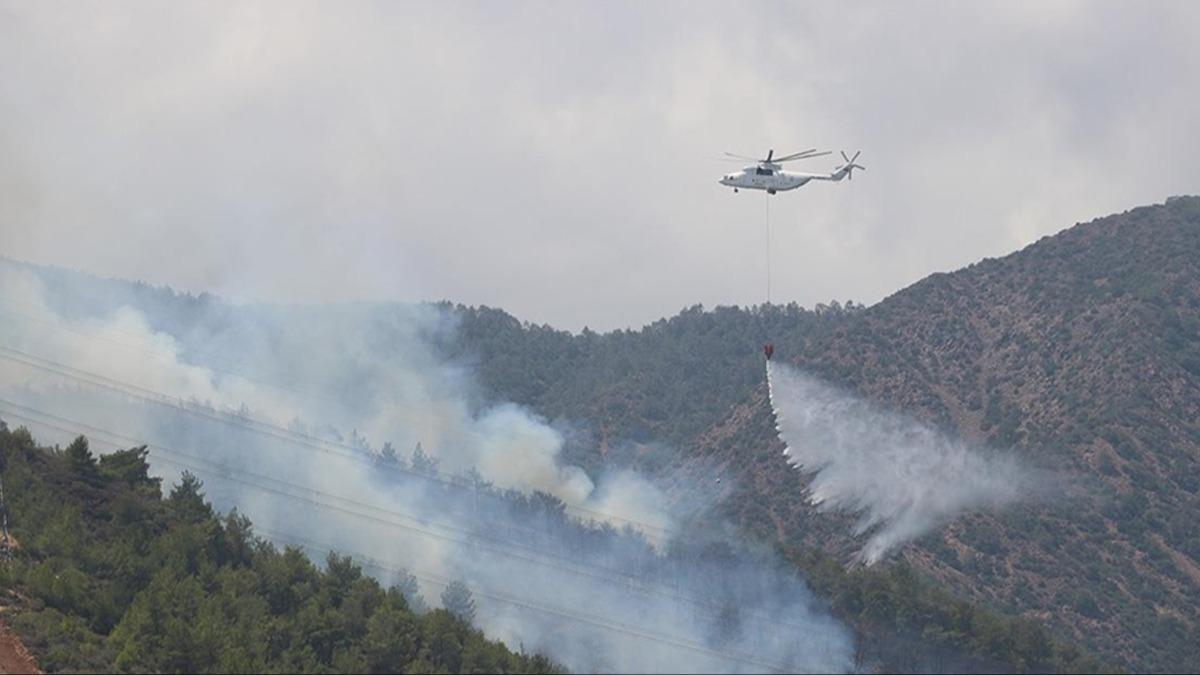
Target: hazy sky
(555, 159)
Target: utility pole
(6, 547)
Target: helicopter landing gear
(735, 191)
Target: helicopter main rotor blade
(752, 159)
(796, 155)
(815, 154)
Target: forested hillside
(1081, 352)
(110, 576)
(899, 622)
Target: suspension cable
(768, 249)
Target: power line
(417, 524)
(261, 482)
(431, 577)
(347, 452)
(266, 428)
(148, 348)
(607, 624)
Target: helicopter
(768, 174)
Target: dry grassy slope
(1081, 351)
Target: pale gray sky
(554, 158)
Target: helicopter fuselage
(767, 178)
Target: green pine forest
(110, 574)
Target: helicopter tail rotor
(848, 168)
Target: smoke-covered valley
(340, 428)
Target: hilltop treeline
(661, 385)
(108, 575)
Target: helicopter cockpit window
(763, 172)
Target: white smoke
(283, 412)
(900, 476)
(407, 396)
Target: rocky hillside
(1081, 352)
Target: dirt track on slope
(13, 657)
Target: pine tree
(424, 463)
(457, 600)
(82, 462)
(187, 499)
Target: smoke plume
(339, 428)
(901, 477)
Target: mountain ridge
(1079, 352)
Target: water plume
(903, 478)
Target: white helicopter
(768, 174)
